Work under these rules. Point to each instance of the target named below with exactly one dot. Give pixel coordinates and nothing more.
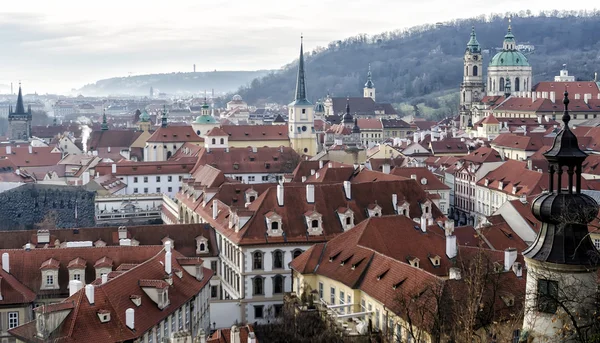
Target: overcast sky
(53, 46)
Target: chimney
(251, 337)
(114, 168)
(416, 137)
(454, 274)
(348, 189)
(108, 149)
(539, 118)
(529, 164)
(510, 256)
(304, 179)
(386, 168)
(130, 318)
(423, 224)
(215, 209)
(310, 194)
(86, 178)
(451, 250)
(517, 269)
(553, 96)
(533, 96)
(395, 202)
(234, 335)
(89, 293)
(6, 262)
(330, 165)
(168, 261)
(317, 175)
(75, 286)
(280, 195)
(30, 149)
(312, 172)
(320, 164)
(104, 278)
(8, 150)
(413, 176)
(587, 97)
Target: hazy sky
(54, 46)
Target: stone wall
(27, 205)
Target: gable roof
(172, 134)
(112, 138)
(256, 132)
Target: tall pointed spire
(300, 98)
(369, 83)
(348, 120)
(20, 109)
(104, 122)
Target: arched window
(257, 262)
(222, 140)
(277, 259)
(466, 71)
(257, 286)
(517, 84)
(475, 70)
(274, 226)
(169, 154)
(314, 223)
(296, 253)
(214, 141)
(502, 84)
(277, 284)
(202, 246)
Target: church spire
(104, 122)
(369, 83)
(473, 45)
(300, 98)
(348, 120)
(163, 118)
(20, 109)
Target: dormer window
(346, 216)
(274, 224)
(426, 209)
(314, 222)
(404, 209)
(201, 245)
(414, 262)
(49, 270)
(374, 210)
(251, 195)
(435, 260)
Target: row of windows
(258, 283)
(259, 311)
(278, 255)
(158, 178)
(158, 190)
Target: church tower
(205, 111)
(369, 90)
(472, 87)
(104, 126)
(301, 115)
(19, 120)
(562, 269)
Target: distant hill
(418, 65)
(173, 83)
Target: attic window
(334, 256)
(346, 260)
(435, 260)
(275, 158)
(252, 158)
(236, 166)
(380, 276)
(267, 165)
(357, 263)
(398, 284)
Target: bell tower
(19, 120)
(301, 115)
(562, 263)
(472, 88)
(369, 90)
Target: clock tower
(301, 115)
(472, 88)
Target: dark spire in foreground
(20, 108)
(564, 213)
(300, 98)
(356, 128)
(104, 122)
(164, 117)
(348, 119)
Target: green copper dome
(144, 117)
(509, 56)
(205, 120)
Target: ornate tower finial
(104, 121)
(566, 118)
(164, 117)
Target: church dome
(205, 120)
(511, 58)
(319, 107)
(237, 97)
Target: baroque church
(508, 72)
(19, 120)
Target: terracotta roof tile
(172, 134)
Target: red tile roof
(224, 335)
(125, 167)
(427, 180)
(215, 132)
(256, 132)
(490, 120)
(369, 124)
(39, 156)
(245, 160)
(173, 134)
(83, 325)
(483, 155)
(112, 138)
(573, 87)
